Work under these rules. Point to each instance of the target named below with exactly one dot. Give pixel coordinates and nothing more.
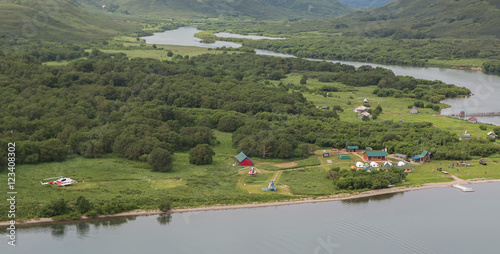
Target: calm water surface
(485, 88)
(439, 221)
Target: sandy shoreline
(338, 197)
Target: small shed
(344, 156)
(360, 116)
(375, 155)
(326, 154)
(492, 135)
(414, 110)
(243, 159)
(361, 109)
(472, 119)
(423, 157)
(352, 149)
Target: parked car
(482, 162)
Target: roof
(473, 118)
(352, 147)
(241, 157)
(414, 110)
(400, 155)
(376, 153)
(422, 155)
(465, 135)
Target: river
(485, 87)
(442, 220)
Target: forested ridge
(108, 103)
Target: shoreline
(337, 197)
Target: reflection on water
(377, 198)
(57, 231)
(164, 219)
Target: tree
(201, 155)
(229, 123)
(170, 53)
(160, 160)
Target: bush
(164, 205)
(160, 160)
(55, 208)
(482, 127)
(83, 205)
(92, 214)
(202, 154)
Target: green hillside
(365, 3)
(260, 9)
(438, 18)
(56, 20)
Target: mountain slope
(260, 9)
(56, 20)
(433, 18)
(365, 3)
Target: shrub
(164, 205)
(83, 205)
(160, 160)
(202, 154)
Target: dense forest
(108, 103)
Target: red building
(375, 155)
(243, 159)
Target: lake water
(184, 36)
(443, 220)
(484, 87)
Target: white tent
(360, 164)
(374, 164)
(387, 162)
(401, 163)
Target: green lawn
(311, 181)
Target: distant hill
(259, 9)
(365, 3)
(56, 20)
(436, 18)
